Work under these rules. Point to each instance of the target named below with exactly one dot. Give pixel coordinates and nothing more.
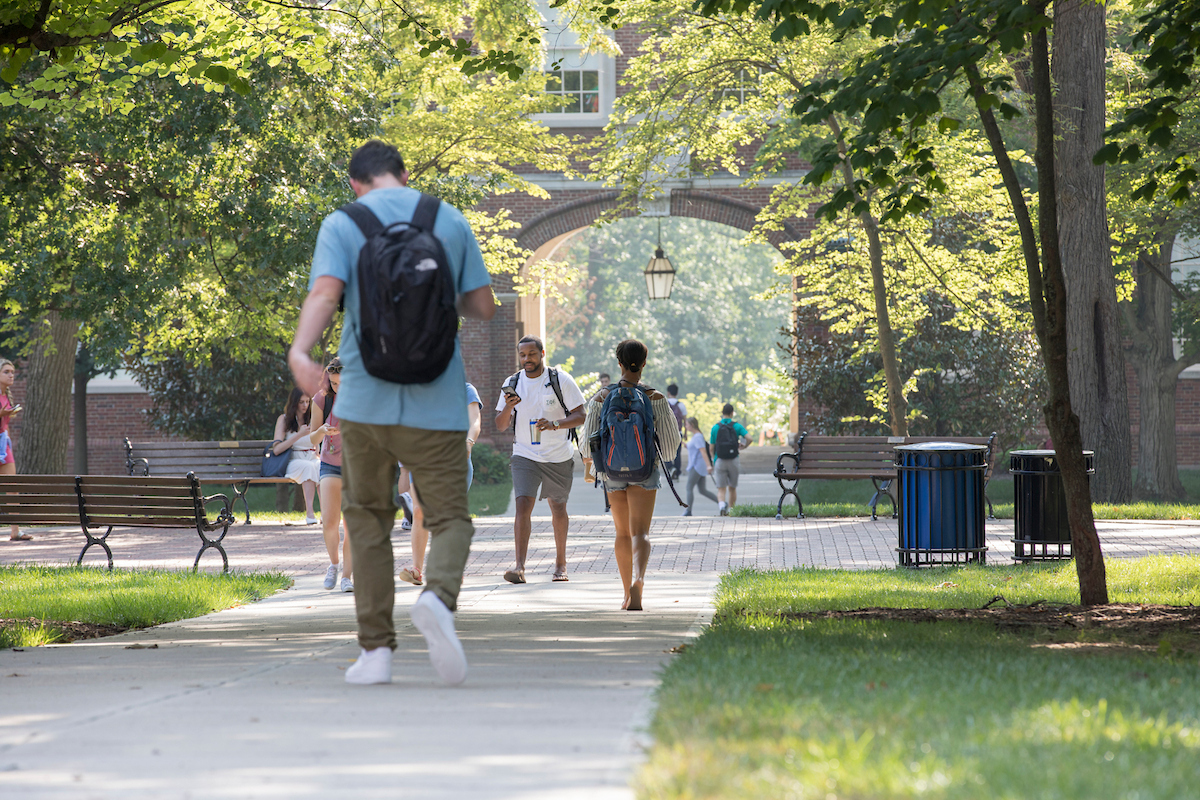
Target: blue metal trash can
(940, 503)
(1040, 514)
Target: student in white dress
(292, 432)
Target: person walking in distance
(632, 487)
(679, 409)
(699, 465)
(325, 434)
(729, 438)
(8, 409)
(423, 424)
(541, 404)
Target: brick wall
(111, 418)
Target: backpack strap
(364, 218)
(572, 434)
(708, 454)
(426, 213)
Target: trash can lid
(924, 447)
(1045, 453)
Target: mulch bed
(1133, 620)
(70, 631)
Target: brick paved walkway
(680, 545)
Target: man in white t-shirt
(543, 453)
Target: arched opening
(717, 336)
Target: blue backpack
(627, 447)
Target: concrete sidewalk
(250, 702)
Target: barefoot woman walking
(633, 503)
(8, 466)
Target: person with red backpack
(728, 438)
(629, 426)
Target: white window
(574, 81)
(745, 86)
(582, 85)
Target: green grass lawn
(121, 599)
(770, 703)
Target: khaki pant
(438, 462)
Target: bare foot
(635, 597)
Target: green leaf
(948, 124)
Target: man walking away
(680, 411)
(728, 439)
(382, 422)
(541, 404)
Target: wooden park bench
(238, 464)
(114, 501)
(856, 458)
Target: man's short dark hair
(375, 158)
(672, 389)
(604, 375)
(531, 339)
(727, 410)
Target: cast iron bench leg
(91, 540)
(240, 493)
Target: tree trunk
(897, 404)
(80, 417)
(1064, 425)
(1157, 370)
(1096, 360)
(42, 448)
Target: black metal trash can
(1040, 517)
(940, 503)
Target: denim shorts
(650, 484)
(330, 470)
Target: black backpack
(727, 440)
(408, 322)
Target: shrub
(491, 465)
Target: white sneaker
(436, 624)
(310, 520)
(723, 509)
(406, 505)
(405, 525)
(346, 586)
(687, 512)
(373, 666)
(330, 576)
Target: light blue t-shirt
(473, 396)
(440, 405)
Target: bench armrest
(224, 516)
(780, 471)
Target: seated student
(292, 433)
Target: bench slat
(248, 444)
(138, 508)
(125, 521)
(32, 518)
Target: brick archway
(583, 212)
(490, 349)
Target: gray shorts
(725, 472)
(554, 478)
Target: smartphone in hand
(510, 392)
